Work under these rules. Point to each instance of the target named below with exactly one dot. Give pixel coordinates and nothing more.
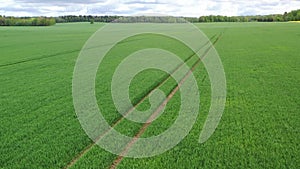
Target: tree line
(26, 21)
(150, 19)
(85, 18)
(124, 19)
(291, 16)
(45, 21)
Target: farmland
(259, 127)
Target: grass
(259, 128)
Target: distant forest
(291, 16)
(48, 21)
(26, 21)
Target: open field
(259, 128)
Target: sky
(189, 8)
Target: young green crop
(259, 128)
(38, 125)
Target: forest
(291, 16)
(48, 21)
(287, 16)
(26, 21)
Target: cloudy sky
(131, 7)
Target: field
(259, 127)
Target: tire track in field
(34, 43)
(118, 160)
(144, 97)
(62, 53)
(164, 79)
(40, 58)
(68, 52)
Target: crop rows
(259, 127)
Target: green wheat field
(259, 127)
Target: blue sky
(131, 7)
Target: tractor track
(118, 160)
(148, 93)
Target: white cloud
(131, 7)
